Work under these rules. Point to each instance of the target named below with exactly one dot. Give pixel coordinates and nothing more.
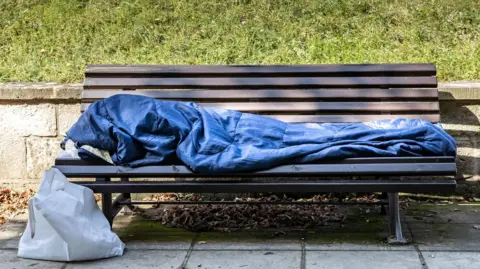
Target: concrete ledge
(40, 91)
(459, 91)
(449, 91)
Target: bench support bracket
(395, 227)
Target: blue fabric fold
(140, 131)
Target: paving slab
(366, 229)
(452, 260)
(9, 260)
(138, 245)
(11, 244)
(228, 259)
(259, 240)
(248, 246)
(362, 259)
(359, 247)
(12, 229)
(137, 259)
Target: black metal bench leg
(111, 208)
(120, 200)
(127, 196)
(383, 208)
(106, 202)
(396, 235)
(107, 207)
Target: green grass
(55, 40)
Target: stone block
(40, 91)
(12, 158)
(27, 120)
(16, 94)
(68, 92)
(41, 153)
(67, 115)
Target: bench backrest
(292, 93)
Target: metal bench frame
(292, 93)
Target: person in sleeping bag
(137, 131)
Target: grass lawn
(54, 40)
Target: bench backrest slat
(256, 82)
(317, 70)
(300, 107)
(267, 95)
(293, 93)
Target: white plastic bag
(66, 224)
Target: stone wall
(33, 120)
(35, 117)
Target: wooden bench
(291, 93)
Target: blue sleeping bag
(139, 131)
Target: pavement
(440, 236)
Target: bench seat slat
(277, 70)
(226, 95)
(66, 159)
(379, 169)
(257, 82)
(318, 186)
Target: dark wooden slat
(337, 118)
(413, 186)
(257, 82)
(276, 70)
(380, 169)
(392, 94)
(326, 106)
(323, 106)
(67, 159)
(351, 118)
